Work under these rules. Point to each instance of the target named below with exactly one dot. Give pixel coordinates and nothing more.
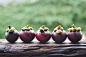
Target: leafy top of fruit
(58, 29)
(43, 28)
(26, 28)
(74, 28)
(10, 29)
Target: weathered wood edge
(36, 49)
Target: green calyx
(10, 29)
(43, 28)
(26, 28)
(78, 29)
(58, 29)
(74, 28)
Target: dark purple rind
(59, 38)
(43, 36)
(75, 36)
(27, 36)
(12, 36)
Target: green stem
(73, 26)
(28, 26)
(9, 27)
(43, 26)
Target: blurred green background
(43, 12)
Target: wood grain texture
(37, 49)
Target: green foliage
(44, 12)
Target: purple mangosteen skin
(27, 36)
(75, 36)
(43, 36)
(11, 36)
(59, 38)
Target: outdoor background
(19, 13)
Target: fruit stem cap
(9, 27)
(43, 26)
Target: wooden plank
(37, 49)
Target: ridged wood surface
(37, 49)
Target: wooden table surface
(37, 49)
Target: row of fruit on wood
(43, 34)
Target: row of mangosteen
(43, 35)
